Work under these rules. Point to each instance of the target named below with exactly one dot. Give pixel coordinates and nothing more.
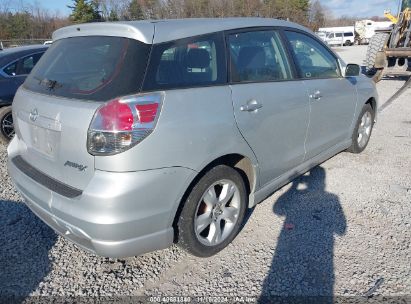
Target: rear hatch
(56, 104)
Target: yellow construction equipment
(389, 50)
(390, 17)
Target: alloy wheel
(364, 129)
(7, 126)
(217, 213)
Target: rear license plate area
(44, 140)
(42, 134)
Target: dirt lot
(340, 230)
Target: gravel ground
(339, 230)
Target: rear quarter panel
(195, 127)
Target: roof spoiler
(142, 31)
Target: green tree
(293, 10)
(18, 26)
(303, 5)
(84, 11)
(135, 10)
(113, 16)
(405, 4)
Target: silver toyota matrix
(132, 136)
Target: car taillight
(122, 123)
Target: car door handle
(316, 95)
(251, 106)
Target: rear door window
(192, 62)
(312, 58)
(96, 68)
(28, 63)
(257, 56)
(11, 69)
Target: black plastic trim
(45, 180)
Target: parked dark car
(15, 65)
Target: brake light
(122, 123)
(147, 112)
(116, 116)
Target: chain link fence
(4, 44)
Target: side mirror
(352, 70)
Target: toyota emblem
(34, 114)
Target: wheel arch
(241, 163)
(373, 103)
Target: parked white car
(343, 35)
(340, 38)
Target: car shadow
(302, 268)
(25, 242)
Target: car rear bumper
(123, 248)
(117, 215)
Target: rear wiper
(50, 84)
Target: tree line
(33, 21)
(306, 12)
(19, 20)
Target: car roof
(11, 54)
(158, 31)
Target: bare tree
(317, 16)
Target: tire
(348, 43)
(376, 44)
(6, 125)
(364, 125)
(202, 215)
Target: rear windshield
(95, 68)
